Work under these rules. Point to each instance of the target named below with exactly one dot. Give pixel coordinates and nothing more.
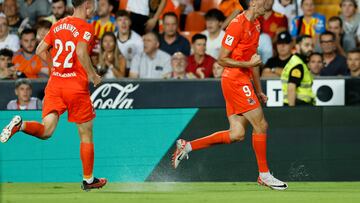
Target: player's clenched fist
(255, 60)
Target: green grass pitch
(239, 192)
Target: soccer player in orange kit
(67, 88)
(241, 65)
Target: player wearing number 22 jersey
(68, 78)
(240, 61)
(66, 49)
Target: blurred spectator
(170, 6)
(10, 41)
(265, 48)
(26, 61)
(186, 6)
(153, 63)
(7, 69)
(353, 62)
(112, 63)
(24, 101)
(214, 33)
(11, 10)
(350, 18)
(129, 42)
(288, 8)
(58, 11)
(276, 64)
(42, 28)
(140, 13)
(335, 64)
(217, 70)
(103, 21)
(171, 41)
(344, 42)
(272, 22)
(316, 63)
(34, 9)
(178, 65)
(310, 23)
(199, 63)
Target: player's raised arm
(43, 52)
(226, 61)
(84, 58)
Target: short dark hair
(43, 24)
(336, 18)
(77, 3)
(155, 34)
(327, 32)
(6, 52)
(27, 31)
(352, 1)
(354, 51)
(215, 14)
(198, 36)
(300, 38)
(170, 14)
(55, 1)
(302, 2)
(122, 13)
(22, 81)
(316, 54)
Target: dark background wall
(304, 144)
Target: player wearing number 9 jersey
(241, 69)
(66, 49)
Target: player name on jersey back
(67, 26)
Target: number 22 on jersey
(69, 47)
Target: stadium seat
(188, 34)
(209, 4)
(321, 2)
(195, 21)
(328, 10)
(123, 4)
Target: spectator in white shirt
(24, 101)
(214, 33)
(152, 63)
(9, 41)
(129, 42)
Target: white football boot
(12, 128)
(271, 182)
(180, 152)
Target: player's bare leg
(42, 130)
(235, 133)
(87, 157)
(257, 119)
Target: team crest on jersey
(229, 40)
(87, 36)
(251, 101)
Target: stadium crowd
(181, 39)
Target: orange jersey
(32, 67)
(242, 39)
(64, 36)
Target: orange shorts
(239, 96)
(76, 102)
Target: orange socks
(221, 137)
(33, 128)
(87, 159)
(259, 145)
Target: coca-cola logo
(113, 96)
